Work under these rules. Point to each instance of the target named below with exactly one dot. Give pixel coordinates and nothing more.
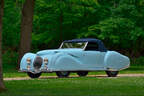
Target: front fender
(23, 63)
(65, 62)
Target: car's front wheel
(62, 74)
(82, 73)
(112, 73)
(32, 75)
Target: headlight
(28, 60)
(28, 67)
(45, 61)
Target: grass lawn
(77, 86)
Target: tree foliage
(119, 23)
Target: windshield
(73, 45)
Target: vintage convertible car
(77, 55)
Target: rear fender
(116, 61)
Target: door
(94, 59)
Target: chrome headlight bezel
(45, 61)
(28, 60)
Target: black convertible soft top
(93, 40)
(84, 40)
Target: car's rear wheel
(32, 75)
(82, 73)
(112, 73)
(62, 74)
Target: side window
(92, 46)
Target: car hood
(48, 52)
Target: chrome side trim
(61, 45)
(85, 46)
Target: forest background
(118, 23)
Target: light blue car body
(75, 59)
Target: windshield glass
(73, 45)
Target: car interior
(92, 46)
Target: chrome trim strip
(60, 45)
(85, 46)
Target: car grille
(38, 63)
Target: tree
(2, 87)
(61, 22)
(26, 28)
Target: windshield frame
(86, 43)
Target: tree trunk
(26, 28)
(61, 21)
(2, 87)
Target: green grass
(78, 86)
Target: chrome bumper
(36, 71)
